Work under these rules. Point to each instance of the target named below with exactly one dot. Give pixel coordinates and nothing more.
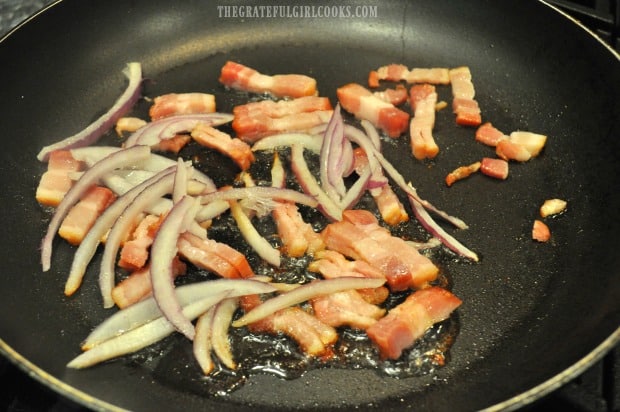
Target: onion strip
(252, 236)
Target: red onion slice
(203, 339)
(116, 160)
(146, 310)
(253, 237)
(152, 133)
(224, 312)
(95, 130)
(311, 142)
(304, 293)
(87, 248)
(258, 193)
(163, 251)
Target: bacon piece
(128, 124)
(423, 99)
(552, 207)
(390, 207)
(407, 322)
(313, 336)
(331, 264)
(540, 231)
(56, 181)
(373, 79)
(533, 142)
(82, 216)
(298, 237)
(393, 72)
(173, 144)
(461, 173)
(346, 308)
(464, 106)
(395, 96)
(434, 75)
(489, 135)
(509, 150)
(218, 257)
(362, 103)
(239, 151)
(181, 103)
(497, 168)
(137, 285)
(255, 120)
(240, 77)
(135, 251)
(359, 237)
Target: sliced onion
(278, 175)
(260, 245)
(203, 339)
(163, 251)
(91, 176)
(212, 210)
(146, 310)
(258, 193)
(224, 312)
(311, 187)
(304, 293)
(95, 130)
(332, 162)
(87, 248)
(180, 181)
(152, 133)
(120, 228)
(449, 241)
(140, 337)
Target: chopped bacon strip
(360, 237)
(497, 168)
(423, 99)
(173, 144)
(56, 181)
(489, 135)
(434, 75)
(540, 231)
(181, 103)
(390, 207)
(509, 150)
(362, 103)
(552, 207)
(464, 106)
(393, 72)
(533, 142)
(298, 237)
(407, 322)
(240, 77)
(82, 216)
(373, 79)
(395, 96)
(461, 173)
(135, 251)
(217, 257)
(346, 308)
(239, 151)
(255, 120)
(128, 124)
(331, 264)
(137, 285)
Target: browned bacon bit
(461, 173)
(137, 285)
(397, 72)
(128, 124)
(360, 237)
(181, 103)
(508, 150)
(540, 231)
(373, 79)
(362, 103)
(240, 77)
(497, 168)
(135, 251)
(255, 120)
(423, 99)
(83, 215)
(489, 135)
(56, 181)
(346, 308)
(395, 96)
(407, 322)
(298, 237)
(239, 151)
(173, 144)
(464, 106)
(552, 207)
(331, 264)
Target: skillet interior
(531, 310)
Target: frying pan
(534, 315)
